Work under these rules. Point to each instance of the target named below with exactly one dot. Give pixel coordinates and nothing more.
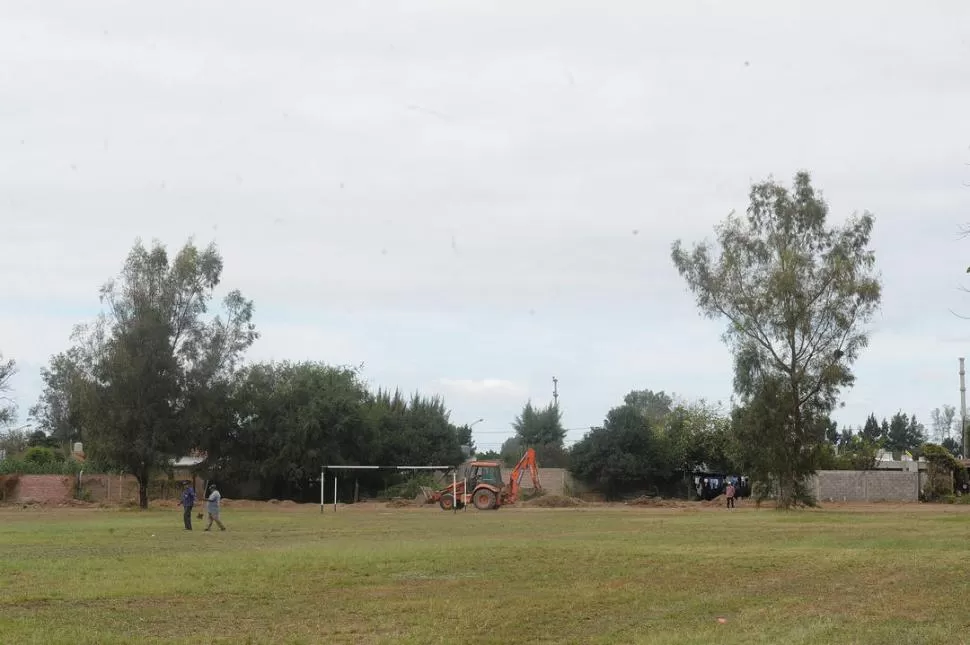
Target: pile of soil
(76, 503)
(399, 503)
(720, 500)
(654, 502)
(554, 501)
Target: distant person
(212, 507)
(729, 493)
(187, 502)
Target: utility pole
(963, 411)
(555, 391)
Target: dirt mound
(399, 503)
(76, 503)
(720, 500)
(273, 501)
(653, 502)
(288, 502)
(554, 501)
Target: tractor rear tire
(446, 502)
(484, 499)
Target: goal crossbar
(323, 473)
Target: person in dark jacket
(187, 502)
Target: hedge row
(14, 466)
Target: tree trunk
(142, 491)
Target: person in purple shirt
(187, 502)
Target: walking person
(729, 492)
(212, 506)
(187, 502)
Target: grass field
(372, 574)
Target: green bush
(40, 455)
(24, 467)
(410, 487)
(943, 469)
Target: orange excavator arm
(528, 461)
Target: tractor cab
(484, 472)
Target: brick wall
(865, 486)
(43, 489)
(118, 489)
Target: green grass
(609, 575)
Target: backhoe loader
(482, 485)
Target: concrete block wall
(865, 486)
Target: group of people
(731, 486)
(212, 506)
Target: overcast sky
(472, 198)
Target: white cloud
(483, 388)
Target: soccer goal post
(341, 468)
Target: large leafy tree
(59, 409)
(872, 431)
(905, 433)
(146, 370)
(942, 420)
(655, 406)
(289, 419)
(797, 295)
(8, 411)
(654, 445)
(541, 429)
(624, 452)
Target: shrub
(943, 467)
(40, 455)
(410, 488)
(24, 467)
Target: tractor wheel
(447, 502)
(484, 499)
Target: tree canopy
(653, 447)
(796, 295)
(541, 429)
(139, 376)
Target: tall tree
(655, 406)
(845, 437)
(623, 452)
(796, 294)
(905, 433)
(541, 429)
(154, 355)
(953, 446)
(8, 410)
(942, 420)
(872, 431)
(59, 408)
(512, 450)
